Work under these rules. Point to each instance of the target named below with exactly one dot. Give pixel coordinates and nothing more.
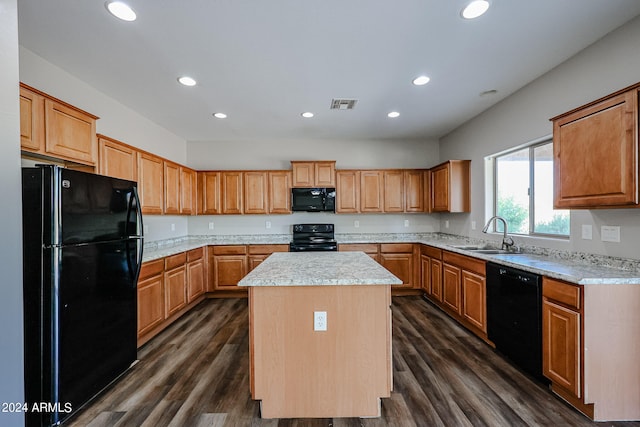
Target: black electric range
(313, 237)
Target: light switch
(610, 233)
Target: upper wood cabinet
(151, 183)
(231, 187)
(348, 191)
(393, 190)
(56, 129)
(117, 159)
(171, 188)
(188, 186)
(451, 186)
(371, 191)
(314, 173)
(256, 192)
(209, 193)
(414, 190)
(279, 192)
(596, 153)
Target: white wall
(277, 154)
(11, 355)
(606, 66)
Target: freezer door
(97, 317)
(96, 208)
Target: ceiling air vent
(343, 104)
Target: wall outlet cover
(587, 232)
(320, 321)
(610, 233)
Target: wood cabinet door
(231, 192)
(209, 193)
(150, 183)
(371, 191)
(561, 346)
(414, 191)
(228, 271)
(279, 192)
(31, 121)
(150, 303)
(425, 271)
(426, 188)
(304, 174)
(187, 191)
(394, 191)
(256, 192)
(400, 265)
(325, 174)
(175, 291)
(596, 154)
(255, 260)
(440, 189)
(474, 299)
(195, 279)
(116, 159)
(348, 191)
(451, 287)
(70, 133)
(436, 279)
(171, 188)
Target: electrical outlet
(610, 233)
(267, 224)
(356, 224)
(446, 224)
(473, 225)
(587, 232)
(406, 222)
(211, 226)
(319, 320)
(173, 227)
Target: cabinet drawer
(151, 268)
(430, 251)
(466, 263)
(267, 249)
(561, 292)
(396, 248)
(174, 261)
(195, 254)
(369, 248)
(230, 250)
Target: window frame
(530, 147)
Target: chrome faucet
(507, 241)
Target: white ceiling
(263, 62)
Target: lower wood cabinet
(150, 296)
(229, 266)
(400, 259)
(258, 253)
(457, 283)
(195, 273)
(175, 284)
(371, 249)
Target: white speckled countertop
(319, 268)
(579, 268)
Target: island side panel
(612, 351)
(301, 373)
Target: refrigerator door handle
(139, 232)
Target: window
(523, 181)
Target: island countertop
(319, 268)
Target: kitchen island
(320, 334)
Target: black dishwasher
(514, 316)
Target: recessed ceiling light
(220, 115)
(307, 114)
(393, 114)
(121, 10)
(475, 9)
(422, 80)
(187, 81)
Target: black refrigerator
(82, 244)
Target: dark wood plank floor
(196, 374)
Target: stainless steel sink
(484, 250)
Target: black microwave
(313, 199)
